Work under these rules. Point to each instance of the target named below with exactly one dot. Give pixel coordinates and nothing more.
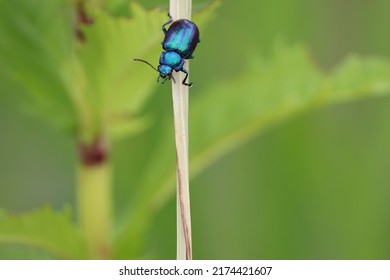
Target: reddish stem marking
(94, 153)
(81, 19)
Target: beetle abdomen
(182, 37)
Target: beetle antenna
(144, 61)
(173, 79)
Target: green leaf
(125, 126)
(35, 43)
(83, 86)
(359, 77)
(113, 82)
(230, 113)
(46, 230)
(274, 89)
(110, 78)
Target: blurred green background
(315, 186)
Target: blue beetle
(179, 43)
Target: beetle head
(165, 71)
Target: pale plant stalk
(181, 9)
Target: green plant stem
(94, 199)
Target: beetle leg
(185, 78)
(165, 79)
(165, 24)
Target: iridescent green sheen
(182, 37)
(179, 43)
(173, 59)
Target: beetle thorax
(172, 59)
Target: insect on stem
(180, 41)
(182, 10)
